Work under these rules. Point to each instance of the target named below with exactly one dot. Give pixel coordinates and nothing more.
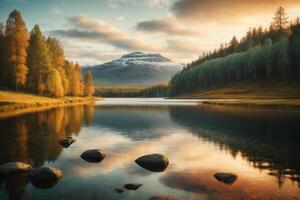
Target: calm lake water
(261, 146)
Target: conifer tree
(89, 88)
(54, 84)
(3, 66)
(17, 43)
(38, 61)
(280, 20)
(57, 59)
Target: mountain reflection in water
(260, 145)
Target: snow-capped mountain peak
(136, 68)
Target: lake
(260, 145)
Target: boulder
(132, 186)
(45, 177)
(14, 167)
(93, 155)
(67, 141)
(153, 162)
(227, 178)
(119, 190)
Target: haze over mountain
(136, 68)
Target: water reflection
(269, 139)
(261, 146)
(34, 138)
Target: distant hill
(135, 69)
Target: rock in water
(153, 162)
(14, 167)
(163, 198)
(119, 190)
(93, 155)
(67, 141)
(45, 177)
(226, 178)
(132, 186)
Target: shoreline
(14, 103)
(278, 103)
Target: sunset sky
(96, 31)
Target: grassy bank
(263, 93)
(12, 103)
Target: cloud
(120, 18)
(85, 28)
(168, 25)
(115, 4)
(56, 10)
(183, 46)
(217, 11)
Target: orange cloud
(226, 10)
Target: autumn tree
(89, 87)
(77, 84)
(54, 84)
(38, 61)
(17, 43)
(57, 59)
(69, 68)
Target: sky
(96, 31)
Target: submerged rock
(93, 155)
(153, 162)
(132, 186)
(45, 177)
(119, 190)
(163, 198)
(67, 141)
(227, 178)
(14, 167)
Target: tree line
(152, 91)
(259, 55)
(31, 62)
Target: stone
(67, 141)
(227, 178)
(45, 177)
(93, 155)
(132, 186)
(119, 190)
(153, 162)
(15, 167)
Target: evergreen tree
(3, 64)
(89, 85)
(17, 43)
(54, 84)
(38, 62)
(57, 59)
(280, 20)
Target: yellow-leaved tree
(89, 88)
(17, 43)
(54, 86)
(57, 59)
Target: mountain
(135, 69)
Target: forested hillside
(272, 54)
(31, 62)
